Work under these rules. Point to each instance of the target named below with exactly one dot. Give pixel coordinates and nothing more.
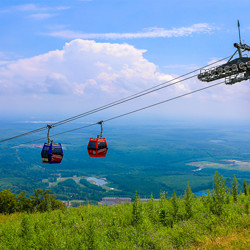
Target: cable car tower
(233, 71)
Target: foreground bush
(42, 201)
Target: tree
(219, 194)
(137, 211)
(175, 205)
(8, 202)
(235, 188)
(43, 201)
(162, 211)
(188, 197)
(151, 209)
(245, 187)
(24, 203)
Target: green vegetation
(189, 196)
(70, 190)
(235, 189)
(163, 159)
(213, 221)
(245, 187)
(42, 201)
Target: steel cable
(128, 113)
(112, 104)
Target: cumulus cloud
(82, 67)
(88, 68)
(147, 33)
(87, 73)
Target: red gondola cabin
(97, 147)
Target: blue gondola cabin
(52, 153)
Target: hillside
(166, 160)
(219, 220)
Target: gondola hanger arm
(100, 122)
(49, 127)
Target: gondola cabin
(97, 147)
(52, 153)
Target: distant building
(149, 199)
(74, 203)
(109, 201)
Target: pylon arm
(242, 46)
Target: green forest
(149, 166)
(219, 220)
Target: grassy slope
(117, 227)
(234, 240)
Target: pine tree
(235, 188)
(245, 187)
(175, 205)
(136, 213)
(188, 197)
(151, 208)
(162, 211)
(162, 199)
(219, 194)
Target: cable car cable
(116, 117)
(131, 97)
(43, 138)
(158, 103)
(134, 96)
(21, 135)
(117, 102)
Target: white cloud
(3, 62)
(32, 8)
(41, 16)
(147, 33)
(87, 74)
(37, 122)
(87, 68)
(27, 7)
(3, 58)
(81, 68)
(2, 54)
(182, 66)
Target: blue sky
(77, 55)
